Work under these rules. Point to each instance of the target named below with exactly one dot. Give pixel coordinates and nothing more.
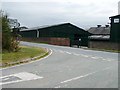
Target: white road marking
(82, 76)
(61, 51)
(68, 53)
(104, 59)
(84, 55)
(62, 86)
(24, 76)
(57, 87)
(101, 58)
(94, 57)
(77, 78)
(107, 60)
(76, 54)
(110, 60)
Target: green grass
(24, 53)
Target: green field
(24, 53)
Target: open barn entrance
(76, 40)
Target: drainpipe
(37, 34)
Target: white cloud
(84, 13)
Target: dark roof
(35, 28)
(99, 30)
(115, 16)
(23, 27)
(47, 26)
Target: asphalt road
(65, 67)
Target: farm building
(100, 30)
(100, 35)
(106, 37)
(62, 34)
(115, 29)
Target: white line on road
(109, 60)
(57, 87)
(84, 55)
(68, 53)
(61, 51)
(77, 78)
(82, 76)
(95, 57)
(24, 76)
(76, 54)
(63, 86)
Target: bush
(9, 40)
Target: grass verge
(25, 54)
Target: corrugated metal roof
(99, 30)
(40, 27)
(100, 37)
(34, 28)
(115, 16)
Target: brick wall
(52, 41)
(60, 41)
(104, 45)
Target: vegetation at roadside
(11, 52)
(24, 53)
(10, 41)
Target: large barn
(58, 34)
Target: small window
(116, 20)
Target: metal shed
(100, 30)
(100, 37)
(77, 35)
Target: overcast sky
(83, 13)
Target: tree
(9, 41)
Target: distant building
(100, 32)
(60, 34)
(115, 29)
(106, 37)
